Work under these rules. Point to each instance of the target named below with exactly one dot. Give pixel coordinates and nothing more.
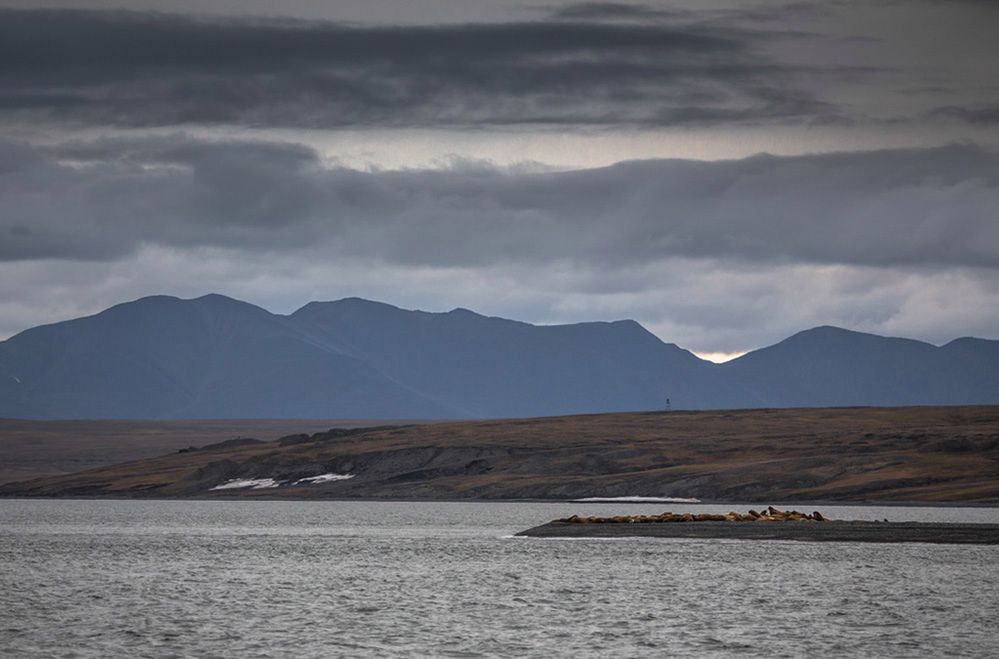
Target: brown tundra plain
(921, 454)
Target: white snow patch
(242, 483)
(323, 478)
(635, 500)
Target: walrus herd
(811, 528)
(770, 514)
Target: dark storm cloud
(735, 17)
(144, 69)
(983, 115)
(641, 11)
(105, 199)
(616, 11)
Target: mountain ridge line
(162, 357)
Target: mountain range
(216, 357)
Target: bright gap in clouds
(388, 149)
(719, 357)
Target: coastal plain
(33, 449)
(917, 454)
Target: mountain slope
(497, 367)
(212, 357)
(981, 359)
(830, 366)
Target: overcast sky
(725, 174)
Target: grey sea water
(318, 579)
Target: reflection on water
(161, 578)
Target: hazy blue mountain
(497, 367)
(161, 357)
(981, 359)
(215, 357)
(830, 366)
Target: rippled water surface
(309, 579)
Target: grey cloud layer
(984, 115)
(144, 69)
(101, 200)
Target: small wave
(633, 499)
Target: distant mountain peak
(832, 332)
(217, 298)
(209, 300)
(969, 340)
(829, 330)
(462, 311)
(354, 303)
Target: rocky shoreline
(770, 514)
(771, 524)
